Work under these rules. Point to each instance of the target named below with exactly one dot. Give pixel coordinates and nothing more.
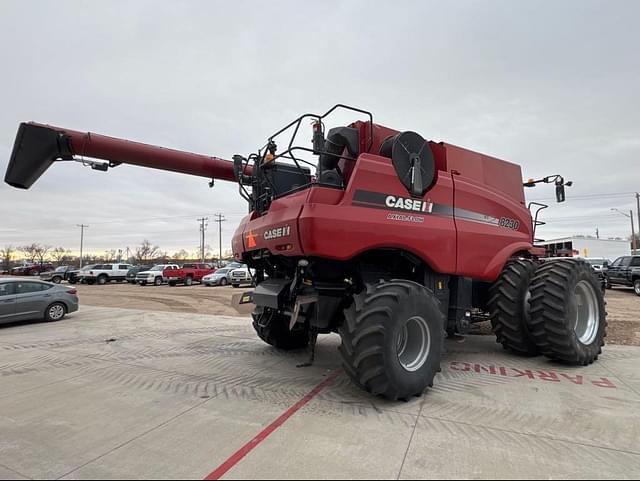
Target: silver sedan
(23, 300)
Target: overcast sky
(550, 85)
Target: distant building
(584, 246)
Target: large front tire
(392, 339)
(568, 317)
(509, 307)
(273, 328)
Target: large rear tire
(392, 339)
(568, 317)
(273, 328)
(509, 307)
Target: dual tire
(555, 308)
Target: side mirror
(560, 193)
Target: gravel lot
(622, 304)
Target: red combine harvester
(391, 241)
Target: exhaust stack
(38, 146)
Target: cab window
(617, 262)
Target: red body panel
(478, 218)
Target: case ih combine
(387, 239)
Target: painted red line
(236, 457)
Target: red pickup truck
(187, 274)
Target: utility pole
(82, 227)
(220, 219)
(638, 210)
(633, 230)
(633, 233)
(203, 227)
(597, 233)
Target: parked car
(154, 275)
(76, 275)
(600, 265)
(23, 300)
(624, 271)
(31, 269)
(240, 276)
(133, 272)
(58, 275)
(217, 278)
(187, 274)
(104, 273)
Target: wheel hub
(587, 320)
(56, 312)
(413, 344)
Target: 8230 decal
(509, 223)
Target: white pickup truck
(154, 275)
(103, 273)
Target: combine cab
(386, 238)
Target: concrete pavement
(114, 393)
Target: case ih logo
(391, 202)
(277, 232)
(402, 203)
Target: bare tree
(60, 255)
(30, 251)
(181, 255)
(110, 255)
(6, 255)
(146, 251)
(41, 252)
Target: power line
(588, 196)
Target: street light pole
(633, 229)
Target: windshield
(222, 271)
(157, 268)
(88, 268)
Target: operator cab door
(7, 302)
